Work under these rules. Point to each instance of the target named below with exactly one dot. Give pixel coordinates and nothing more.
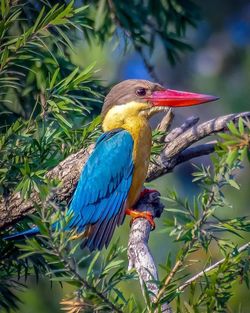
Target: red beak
(175, 98)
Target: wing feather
(98, 201)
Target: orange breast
(141, 155)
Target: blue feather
(104, 183)
(26, 233)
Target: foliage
(164, 20)
(198, 225)
(97, 286)
(35, 56)
(30, 148)
(37, 39)
(48, 106)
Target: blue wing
(98, 201)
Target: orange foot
(136, 214)
(146, 191)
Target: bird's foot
(147, 191)
(136, 214)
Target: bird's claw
(145, 214)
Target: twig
(210, 268)
(165, 124)
(84, 282)
(175, 269)
(187, 247)
(196, 151)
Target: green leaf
(225, 136)
(112, 265)
(81, 9)
(100, 15)
(177, 211)
(63, 120)
(54, 77)
(70, 77)
(35, 27)
(231, 126)
(234, 184)
(231, 157)
(241, 126)
(92, 264)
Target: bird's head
(141, 97)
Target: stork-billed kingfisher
(112, 179)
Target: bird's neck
(128, 118)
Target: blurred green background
(220, 65)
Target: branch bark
(197, 151)
(139, 254)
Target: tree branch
(196, 133)
(197, 151)
(183, 137)
(139, 255)
(190, 121)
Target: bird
(112, 179)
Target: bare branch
(196, 151)
(165, 123)
(169, 158)
(196, 133)
(191, 121)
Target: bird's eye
(141, 92)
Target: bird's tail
(27, 233)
